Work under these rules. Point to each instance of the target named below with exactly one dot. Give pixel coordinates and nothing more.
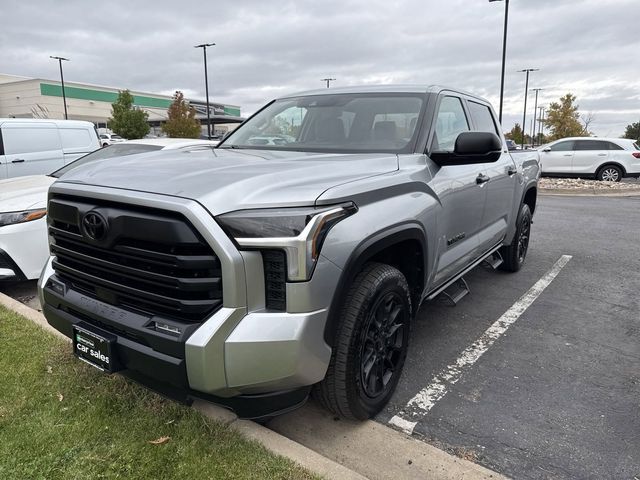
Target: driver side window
(450, 122)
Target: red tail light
(636, 154)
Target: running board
(494, 260)
(437, 291)
(455, 292)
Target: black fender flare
(359, 256)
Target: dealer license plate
(94, 346)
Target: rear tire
(610, 173)
(515, 254)
(370, 345)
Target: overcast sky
(269, 48)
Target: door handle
(18, 160)
(602, 154)
(568, 155)
(482, 178)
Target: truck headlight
(299, 231)
(11, 218)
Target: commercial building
(24, 97)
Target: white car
(110, 139)
(608, 159)
(23, 201)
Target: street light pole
(541, 129)
(64, 98)
(204, 46)
(504, 54)
(535, 115)
(328, 80)
(526, 92)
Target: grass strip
(62, 419)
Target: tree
(182, 121)
(563, 119)
(632, 131)
(127, 121)
(515, 134)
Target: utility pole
(541, 129)
(204, 46)
(535, 109)
(504, 54)
(64, 97)
(328, 80)
(526, 92)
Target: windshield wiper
(230, 146)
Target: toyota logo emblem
(94, 225)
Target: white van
(32, 146)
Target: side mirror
(470, 148)
(546, 149)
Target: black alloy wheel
(514, 254)
(383, 344)
(370, 344)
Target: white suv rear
(608, 159)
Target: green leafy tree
(632, 131)
(515, 134)
(182, 121)
(563, 119)
(127, 121)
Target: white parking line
(426, 398)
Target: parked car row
(23, 203)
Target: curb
(590, 192)
(269, 439)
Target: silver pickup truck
(292, 257)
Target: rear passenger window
(583, 145)
(482, 118)
(562, 146)
(450, 122)
(30, 140)
(613, 146)
(75, 138)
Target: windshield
(118, 150)
(341, 123)
(636, 146)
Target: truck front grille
(150, 261)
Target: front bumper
(257, 364)
(23, 250)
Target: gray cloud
(266, 49)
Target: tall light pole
(64, 98)
(204, 46)
(535, 115)
(526, 91)
(328, 80)
(541, 129)
(504, 53)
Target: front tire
(610, 173)
(370, 345)
(514, 255)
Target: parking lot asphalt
(557, 395)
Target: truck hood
(225, 180)
(24, 193)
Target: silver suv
(251, 274)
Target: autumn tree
(632, 131)
(182, 122)
(126, 120)
(515, 134)
(563, 119)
